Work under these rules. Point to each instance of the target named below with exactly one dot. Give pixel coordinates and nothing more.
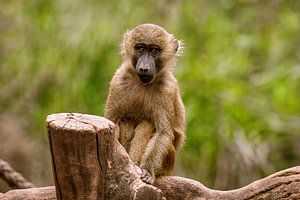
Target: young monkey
(144, 100)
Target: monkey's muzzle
(146, 79)
(146, 68)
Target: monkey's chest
(137, 108)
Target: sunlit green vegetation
(239, 75)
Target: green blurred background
(239, 77)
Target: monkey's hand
(146, 177)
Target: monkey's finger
(146, 177)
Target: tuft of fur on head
(151, 34)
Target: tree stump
(89, 163)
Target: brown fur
(150, 118)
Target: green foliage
(239, 74)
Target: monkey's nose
(144, 69)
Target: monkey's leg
(126, 132)
(158, 152)
(165, 169)
(142, 134)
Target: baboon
(144, 100)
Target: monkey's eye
(140, 49)
(154, 51)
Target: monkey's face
(150, 49)
(146, 61)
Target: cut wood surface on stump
(89, 163)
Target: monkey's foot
(146, 177)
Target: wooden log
(12, 177)
(284, 185)
(42, 193)
(89, 163)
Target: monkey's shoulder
(123, 77)
(167, 83)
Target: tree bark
(12, 178)
(89, 163)
(41, 193)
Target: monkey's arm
(142, 135)
(126, 132)
(114, 103)
(179, 122)
(111, 108)
(159, 147)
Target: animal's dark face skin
(146, 61)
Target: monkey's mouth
(145, 78)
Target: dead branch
(14, 179)
(89, 163)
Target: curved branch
(14, 179)
(89, 163)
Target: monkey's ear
(126, 34)
(177, 44)
(124, 43)
(125, 37)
